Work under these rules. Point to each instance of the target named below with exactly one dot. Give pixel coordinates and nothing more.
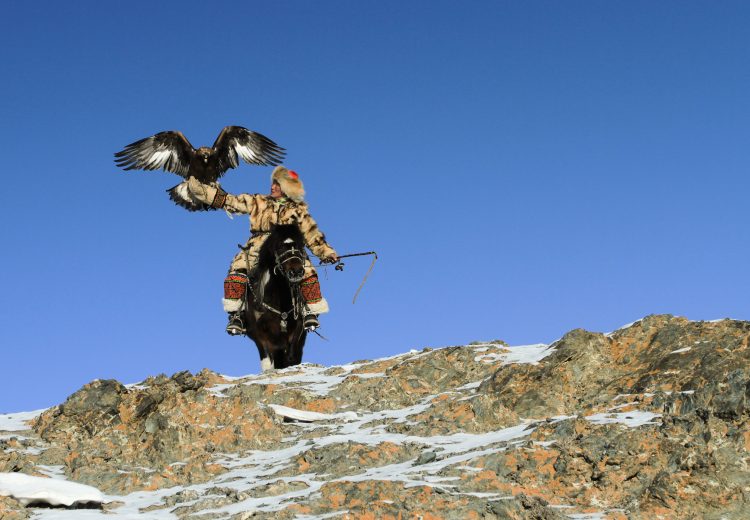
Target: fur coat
(265, 211)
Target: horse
(274, 307)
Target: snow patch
(18, 422)
(27, 490)
(623, 327)
(307, 416)
(522, 354)
(630, 419)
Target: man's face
(276, 190)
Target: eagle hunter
(172, 152)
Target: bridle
(281, 258)
(287, 256)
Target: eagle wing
(235, 142)
(169, 151)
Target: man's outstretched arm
(220, 199)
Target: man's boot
(314, 302)
(235, 285)
(235, 327)
(311, 322)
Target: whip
(340, 267)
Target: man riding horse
(285, 205)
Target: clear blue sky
(522, 168)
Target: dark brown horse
(274, 308)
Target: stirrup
(235, 327)
(311, 322)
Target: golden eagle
(172, 152)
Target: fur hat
(290, 183)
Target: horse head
(287, 246)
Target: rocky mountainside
(650, 421)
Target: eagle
(172, 152)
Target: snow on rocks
(532, 354)
(590, 426)
(306, 416)
(18, 422)
(34, 490)
(631, 419)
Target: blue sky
(522, 169)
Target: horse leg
(265, 350)
(281, 358)
(266, 364)
(296, 345)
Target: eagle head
(204, 153)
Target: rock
(351, 458)
(11, 509)
(426, 457)
(163, 432)
(524, 507)
(650, 421)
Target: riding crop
(340, 267)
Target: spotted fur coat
(264, 211)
